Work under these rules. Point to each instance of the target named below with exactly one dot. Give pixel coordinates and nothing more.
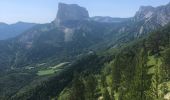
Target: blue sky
(43, 11)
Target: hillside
(139, 71)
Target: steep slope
(146, 19)
(126, 73)
(59, 43)
(152, 18)
(139, 71)
(12, 30)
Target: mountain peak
(142, 8)
(144, 12)
(158, 15)
(67, 12)
(65, 5)
(168, 4)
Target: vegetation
(139, 71)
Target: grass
(52, 70)
(152, 61)
(46, 72)
(60, 65)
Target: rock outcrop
(69, 12)
(160, 15)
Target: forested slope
(139, 71)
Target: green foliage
(106, 95)
(78, 89)
(90, 85)
(10, 83)
(139, 71)
(167, 64)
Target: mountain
(40, 62)
(108, 19)
(152, 18)
(148, 13)
(9, 31)
(2, 25)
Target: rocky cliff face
(161, 14)
(67, 12)
(150, 18)
(145, 12)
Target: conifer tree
(90, 86)
(78, 89)
(106, 95)
(141, 80)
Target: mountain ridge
(12, 30)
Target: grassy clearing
(46, 72)
(60, 65)
(52, 70)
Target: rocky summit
(160, 15)
(67, 12)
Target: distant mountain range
(11, 30)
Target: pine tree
(116, 74)
(141, 79)
(78, 89)
(106, 95)
(90, 86)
